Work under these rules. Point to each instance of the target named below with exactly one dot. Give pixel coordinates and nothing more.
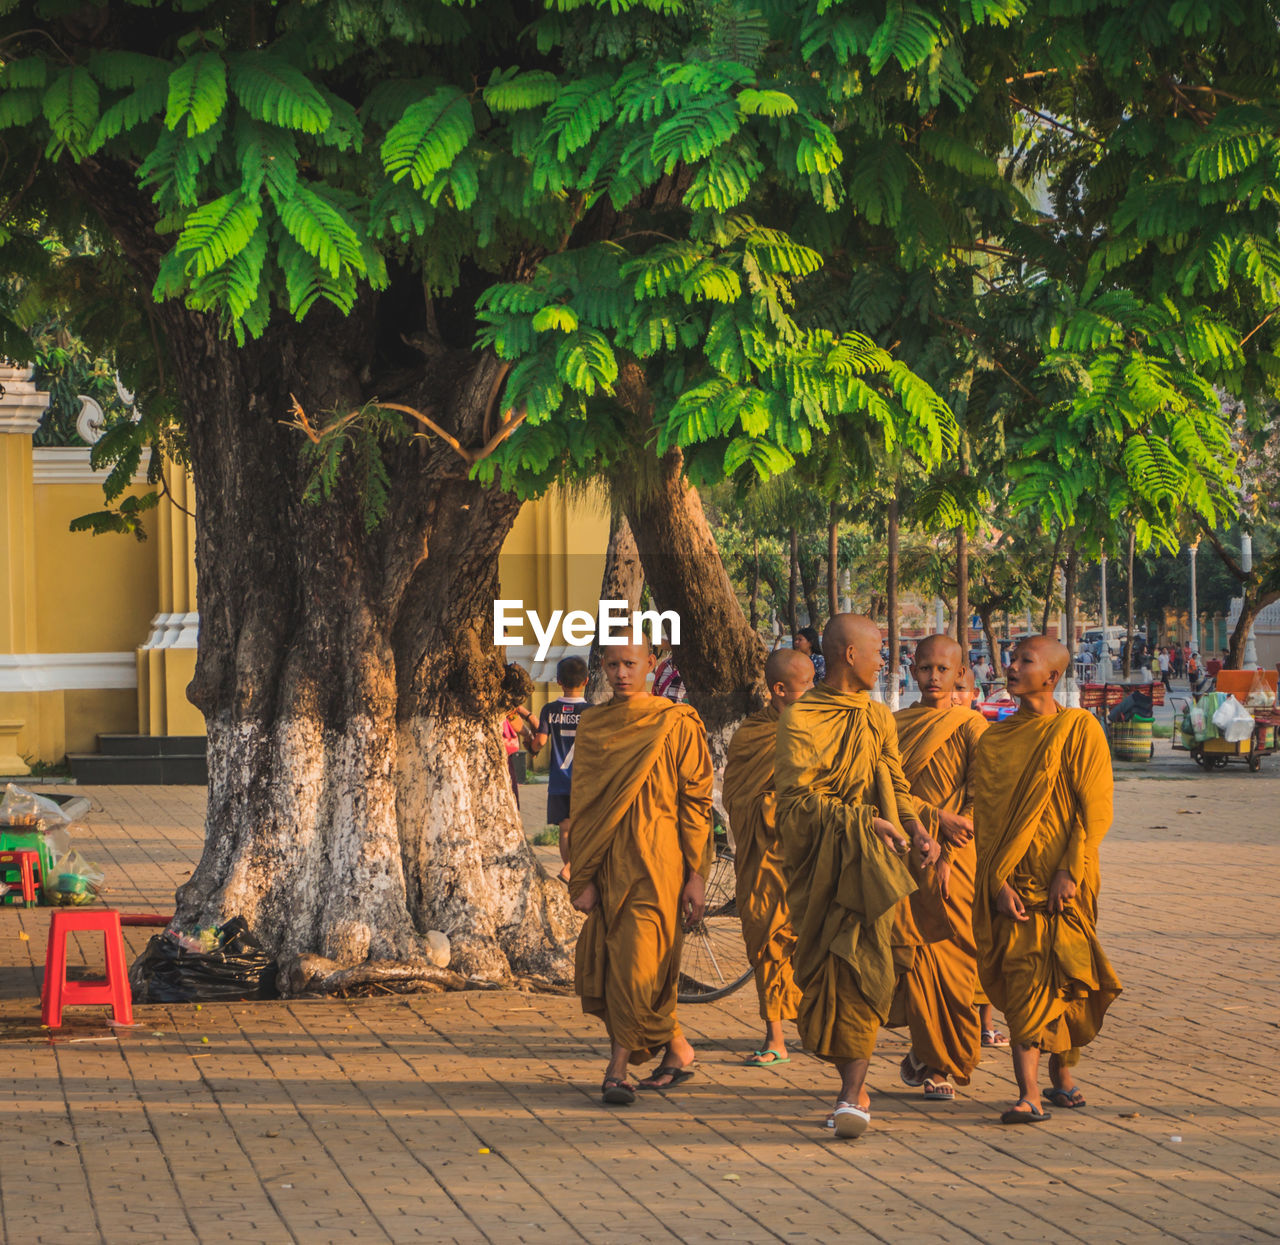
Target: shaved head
(1052, 652)
(845, 630)
(942, 646)
(1038, 665)
(789, 674)
(939, 660)
(627, 668)
(784, 662)
(851, 646)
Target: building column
(21, 407)
(167, 660)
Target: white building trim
(70, 465)
(174, 631)
(66, 672)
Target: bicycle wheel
(714, 961)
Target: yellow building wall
(94, 594)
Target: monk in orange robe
(991, 1036)
(845, 820)
(750, 800)
(1042, 804)
(934, 937)
(639, 855)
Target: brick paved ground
(475, 1116)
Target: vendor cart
(1217, 753)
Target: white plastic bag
(1198, 726)
(22, 808)
(1260, 694)
(1234, 721)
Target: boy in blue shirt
(558, 722)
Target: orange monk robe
(641, 820)
(837, 769)
(1042, 802)
(936, 993)
(750, 801)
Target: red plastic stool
(27, 865)
(59, 992)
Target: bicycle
(714, 961)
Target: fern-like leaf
(197, 93)
(428, 137)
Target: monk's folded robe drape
(1043, 802)
(937, 989)
(641, 819)
(837, 768)
(750, 801)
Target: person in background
(666, 678)
(511, 738)
(1165, 665)
(806, 641)
(558, 722)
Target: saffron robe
(936, 992)
(641, 821)
(750, 801)
(1043, 802)
(837, 769)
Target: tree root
(313, 974)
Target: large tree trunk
(358, 789)
(720, 656)
(891, 603)
(833, 564)
(623, 580)
(793, 601)
(962, 590)
(1251, 605)
(809, 582)
(987, 616)
(1072, 579)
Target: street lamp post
(1195, 607)
(1249, 659)
(1104, 655)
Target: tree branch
(1227, 560)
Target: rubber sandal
(777, 1059)
(993, 1037)
(1067, 1099)
(1034, 1116)
(850, 1121)
(912, 1071)
(939, 1091)
(616, 1092)
(677, 1075)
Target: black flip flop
(616, 1092)
(677, 1076)
(1067, 1099)
(1034, 1116)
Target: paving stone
(369, 1120)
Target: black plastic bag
(237, 968)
